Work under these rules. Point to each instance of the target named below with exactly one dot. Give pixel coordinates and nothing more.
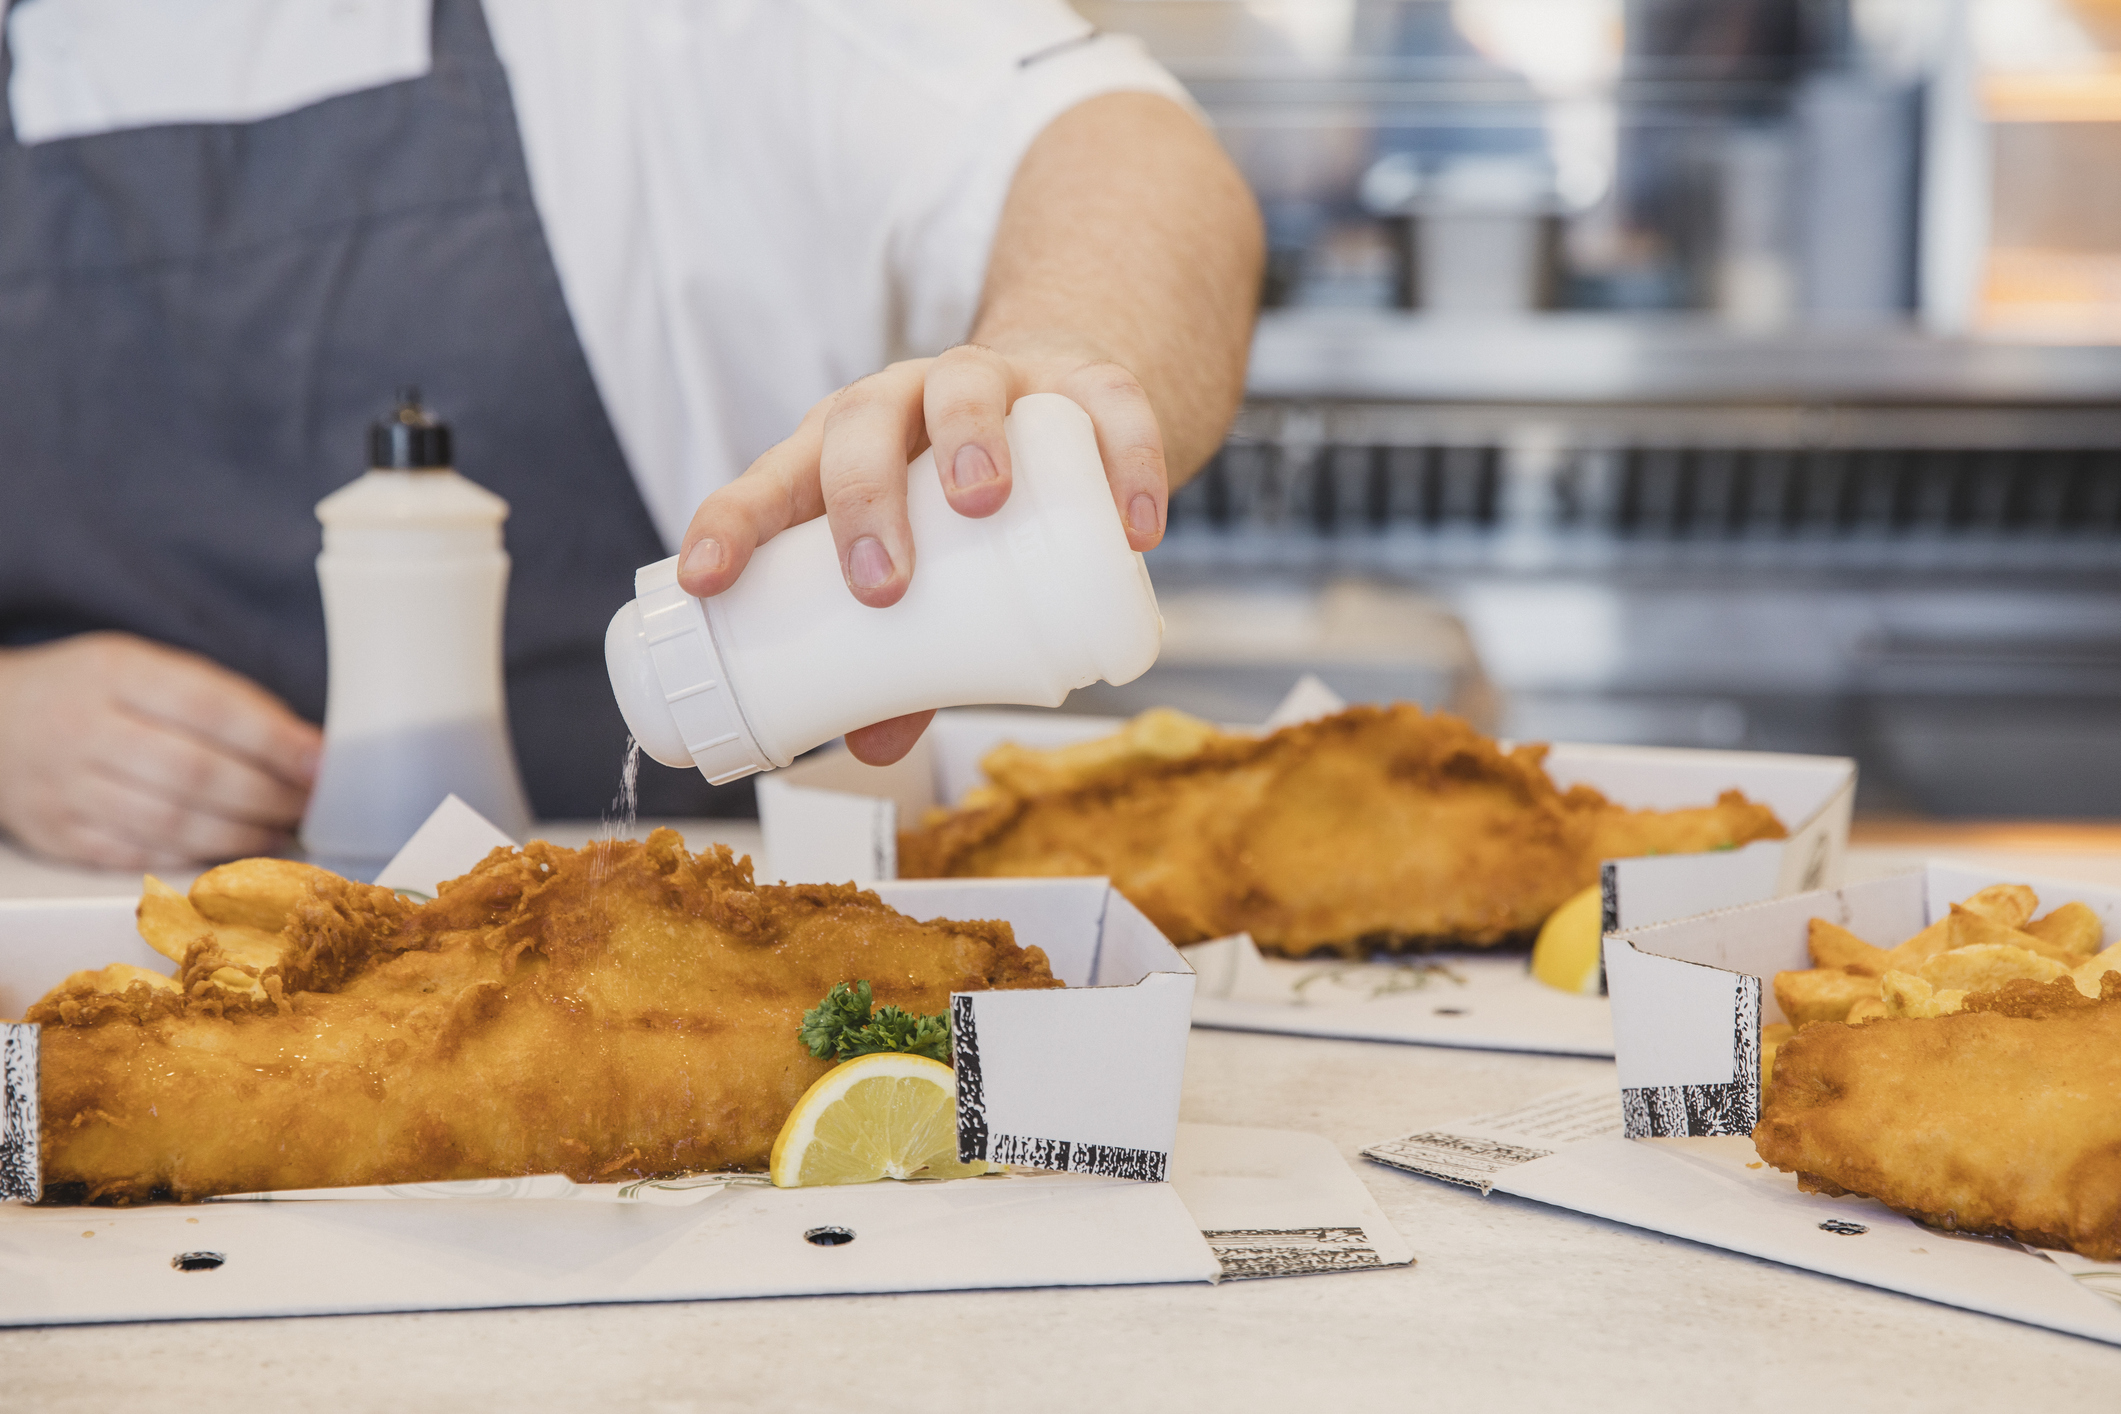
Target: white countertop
(1510, 1305)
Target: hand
(847, 462)
(124, 754)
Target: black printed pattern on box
(1103, 1160)
(1465, 1159)
(1608, 916)
(971, 1094)
(1696, 1111)
(21, 1163)
(1246, 1253)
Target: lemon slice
(881, 1116)
(1567, 953)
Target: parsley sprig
(842, 1027)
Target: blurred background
(1729, 373)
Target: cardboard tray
(1241, 1203)
(1690, 996)
(1567, 1149)
(831, 818)
(1670, 1150)
(1083, 1079)
(1083, 1083)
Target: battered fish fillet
(2002, 1118)
(616, 1012)
(1376, 829)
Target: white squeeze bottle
(414, 581)
(1023, 606)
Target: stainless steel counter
(1378, 355)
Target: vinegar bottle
(1023, 606)
(414, 579)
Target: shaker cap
(672, 686)
(410, 439)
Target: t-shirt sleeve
(1001, 71)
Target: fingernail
(1141, 514)
(868, 565)
(971, 467)
(703, 558)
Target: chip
(1983, 967)
(1821, 993)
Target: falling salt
(625, 812)
(623, 816)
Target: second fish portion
(1377, 829)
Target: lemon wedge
(1567, 953)
(880, 1116)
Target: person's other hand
(125, 754)
(847, 462)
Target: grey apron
(199, 321)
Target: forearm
(1128, 232)
(1125, 276)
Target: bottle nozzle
(412, 439)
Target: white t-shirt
(750, 202)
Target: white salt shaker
(1023, 606)
(414, 581)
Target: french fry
(1821, 993)
(1772, 1036)
(1869, 1009)
(170, 925)
(1159, 734)
(1983, 967)
(1981, 944)
(1906, 995)
(1970, 930)
(254, 893)
(249, 947)
(2087, 976)
(1920, 948)
(1832, 945)
(167, 921)
(2073, 928)
(2008, 904)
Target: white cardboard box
(1091, 1088)
(1670, 1150)
(1567, 1149)
(831, 819)
(1690, 996)
(1082, 1079)
(1241, 1203)
(1461, 998)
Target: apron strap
(7, 76)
